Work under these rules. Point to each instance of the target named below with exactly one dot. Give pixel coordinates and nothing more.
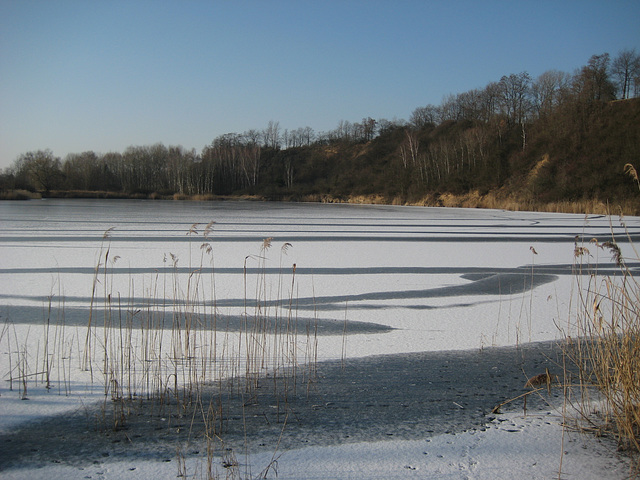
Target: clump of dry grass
(630, 170)
(168, 349)
(607, 353)
(515, 203)
(602, 349)
(18, 195)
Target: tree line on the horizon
(479, 139)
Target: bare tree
(470, 104)
(489, 101)
(514, 96)
(300, 137)
(345, 131)
(409, 148)
(368, 128)
(288, 172)
(250, 162)
(271, 135)
(42, 169)
(253, 136)
(625, 69)
(548, 90)
(423, 116)
(386, 126)
(82, 171)
(592, 82)
(308, 135)
(179, 165)
(450, 108)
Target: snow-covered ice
(398, 280)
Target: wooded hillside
(517, 143)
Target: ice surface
(396, 280)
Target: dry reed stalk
(343, 354)
(134, 361)
(5, 333)
(86, 363)
(46, 360)
(606, 350)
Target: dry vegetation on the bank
(474, 199)
(18, 195)
(168, 350)
(605, 346)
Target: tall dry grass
(18, 195)
(492, 200)
(475, 199)
(602, 354)
(602, 347)
(161, 344)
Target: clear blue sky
(104, 75)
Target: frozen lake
(398, 304)
(440, 279)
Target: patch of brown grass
(503, 201)
(18, 195)
(603, 343)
